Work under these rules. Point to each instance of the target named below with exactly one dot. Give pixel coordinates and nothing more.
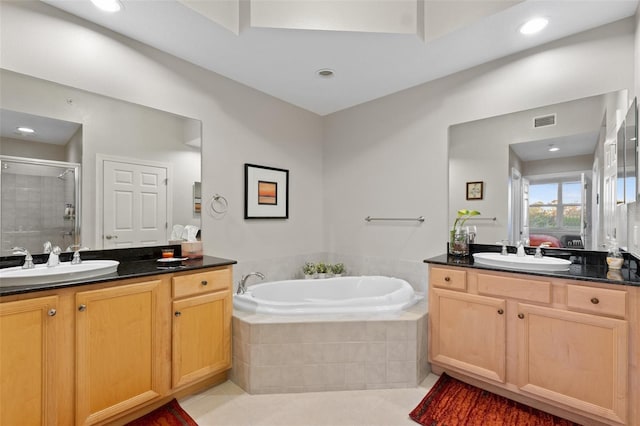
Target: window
(555, 205)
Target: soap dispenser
(614, 257)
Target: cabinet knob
(595, 300)
(52, 312)
(204, 282)
(447, 279)
(500, 311)
(177, 313)
(521, 316)
(82, 308)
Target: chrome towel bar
(418, 219)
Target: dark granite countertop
(134, 263)
(585, 265)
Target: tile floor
(228, 405)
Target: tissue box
(192, 250)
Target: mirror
(548, 173)
(136, 166)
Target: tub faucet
(28, 260)
(54, 257)
(242, 285)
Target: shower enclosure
(40, 201)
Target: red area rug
(170, 414)
(451, 402)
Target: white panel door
(134, 205)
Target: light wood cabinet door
(201, 337)
(575, 359)
(27, 361)
(118, 351)
(468, 333)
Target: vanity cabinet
(201, 324)
(471, 335)
(576, 359)
(28, 354)
(107, 353)
(118, 337)
(566, 346)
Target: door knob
(52, 312)
(82, 308)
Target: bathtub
(363, 294)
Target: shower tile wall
(33, 212)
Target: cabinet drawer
(514, 288)
(201, 282)
(448, 278)
(597, 300)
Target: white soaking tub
(363, 294)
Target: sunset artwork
(267, 192)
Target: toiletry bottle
(614, 257)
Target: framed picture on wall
(266, 192)
(475, 190)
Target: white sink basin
(524, 263)
(41, 274)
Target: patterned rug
(451, 402)
(170, 414)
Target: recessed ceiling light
(107, 5)
(25, 130)
(533, 26)
(326, 73)
(553, 148)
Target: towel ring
(218, 205)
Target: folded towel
(176, 232)
(190, 233)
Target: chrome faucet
(54, 257)
(76, 254)
(242, 284)
(47, 247)
(28, 260)
(538, 254)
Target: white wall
(389, 157)
(239, 125)
(31, 149)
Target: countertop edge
(594, 273)
(125, 271)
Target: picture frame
(475, 190)
(266, 192)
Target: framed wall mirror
(551, 173)
(135, 168)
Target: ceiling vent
(545, 120)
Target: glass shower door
(39, 202)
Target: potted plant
(309, 270)
(321, 269)
(337, 269)
(458, 237)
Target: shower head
(64, 174)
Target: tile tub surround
(278, 354)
